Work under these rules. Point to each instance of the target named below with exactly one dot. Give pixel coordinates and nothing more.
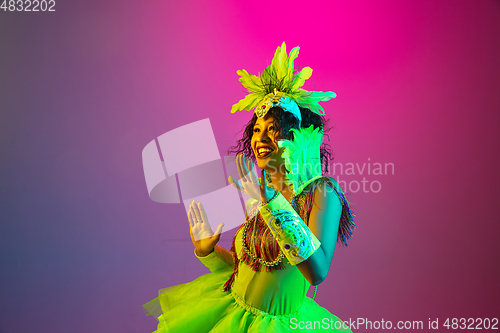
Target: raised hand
(204, 239)
(249, 184)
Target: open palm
(204, 239)
(249, 183)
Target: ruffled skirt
(202, 306)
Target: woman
(294, 218)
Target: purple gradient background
(85, 88)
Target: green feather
(301, 78)
(302, 156)
(278, 61)
(311, 99)
(293, 55)
(249, 81)
(248, 103)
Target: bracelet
(274, 197)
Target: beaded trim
(275, 262)
(274, 196)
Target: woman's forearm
(310, 247)
(324, 223)
(218, 259)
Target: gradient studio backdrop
(85, 88)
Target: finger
(194, 219)
(252, 173)
(197, 214)
(241, 169)
(245, 168)
(203, 214)
(234, 183)
(219, 229)
(191, 213)
(238, 166)
(190, 218)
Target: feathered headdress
(278, 85)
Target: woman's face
(265, 146)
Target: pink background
(85, 88)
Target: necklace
(275, 262)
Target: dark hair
(283, 122)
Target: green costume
(259, 301)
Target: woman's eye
(255, 130)
(271, 128)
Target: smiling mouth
(263, 152)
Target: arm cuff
(293, 236)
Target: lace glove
(217, 260)
(293, 236)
